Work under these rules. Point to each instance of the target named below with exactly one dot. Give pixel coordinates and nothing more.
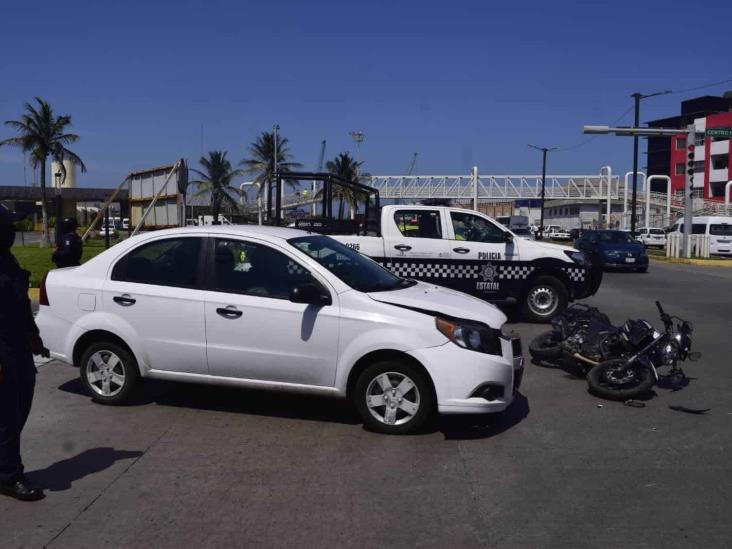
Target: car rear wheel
(109, 372)
(394, 398)
(545, 297)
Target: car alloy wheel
(392, 398)
(106, 373)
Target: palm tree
(216, 181)
(42, 135)
(346, 167)
(262, 162)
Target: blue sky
(459, 82)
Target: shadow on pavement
(62, 474)
(304, 407)
(484, 426)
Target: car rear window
(657, 231)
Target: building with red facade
(712, 155)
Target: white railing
(699, 245)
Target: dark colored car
(614, 249)
(575, 233)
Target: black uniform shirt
(69, 252)
(16, 318)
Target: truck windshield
(356, 270)
(722, 229)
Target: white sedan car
(280, 309)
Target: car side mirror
(311, 294)
(507, 238)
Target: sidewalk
(685, 261)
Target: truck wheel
(393, 398)
(108, 372)
(545, 297)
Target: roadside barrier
(698, 243)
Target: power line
(592, 138)
(622, 116)
(704, 86)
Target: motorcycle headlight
(577, 257)
(471, 335)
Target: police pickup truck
(470, 252)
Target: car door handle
(227, 312)
(402, 247)
(124, 300)
(461, 250)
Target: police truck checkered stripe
(446, 270)
(514, 272)
(433, 270)
(575, 274)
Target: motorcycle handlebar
(664, 316)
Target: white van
(651, 236)
(719, 229)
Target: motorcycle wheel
(611, 381)
(545, 347)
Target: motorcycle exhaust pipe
(584, 359)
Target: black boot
(21, 489)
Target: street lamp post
(637, 98)
(58, 207)
(544, 151)
(358, 137)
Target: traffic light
(690, 159)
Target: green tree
(43, 135)
(346, 167)
(262, 162)
(215, 181)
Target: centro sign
(718, 132)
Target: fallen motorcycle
(620, 362)
(635, 372)
(580, 338)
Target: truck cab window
(473, 228)
(419, 223)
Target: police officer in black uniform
(19, 341)
(68, 253)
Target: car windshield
(615, 237)
(356, 270)
(722, 229)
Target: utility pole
(689, 188)
(544, 151)
(275, 170)
(636, 123)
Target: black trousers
(16, 397)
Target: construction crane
(412, 164)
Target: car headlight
(577, 257)
(471, 335)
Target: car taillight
(43, 295)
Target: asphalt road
(208, 467)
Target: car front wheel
(394, 398)
(108, 372)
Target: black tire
(640, 383)
(540, 287)
(367, 385)
(545, 347)
(125, 369)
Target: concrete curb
(701, 262)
